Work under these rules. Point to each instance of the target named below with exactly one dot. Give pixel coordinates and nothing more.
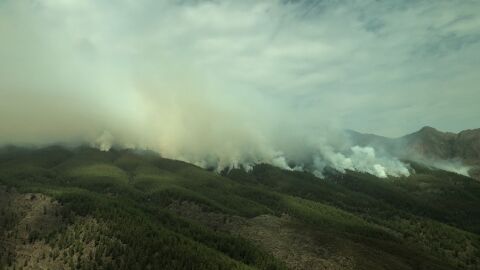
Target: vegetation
(86, 209)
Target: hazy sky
(176, 72)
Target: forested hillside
(83, 208)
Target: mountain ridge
(429, 144)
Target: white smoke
(455, 166)
(362, 159)
(221, 84)
(104, 142)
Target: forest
(81, 208)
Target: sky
(182, 76)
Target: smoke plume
(223, 85)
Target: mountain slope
(86, 209)
(430, 145)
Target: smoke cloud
(221, 85)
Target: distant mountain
(429, 144)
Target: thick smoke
(363, 159)
(104, 142)
(188, 80)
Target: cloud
(232, 83)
